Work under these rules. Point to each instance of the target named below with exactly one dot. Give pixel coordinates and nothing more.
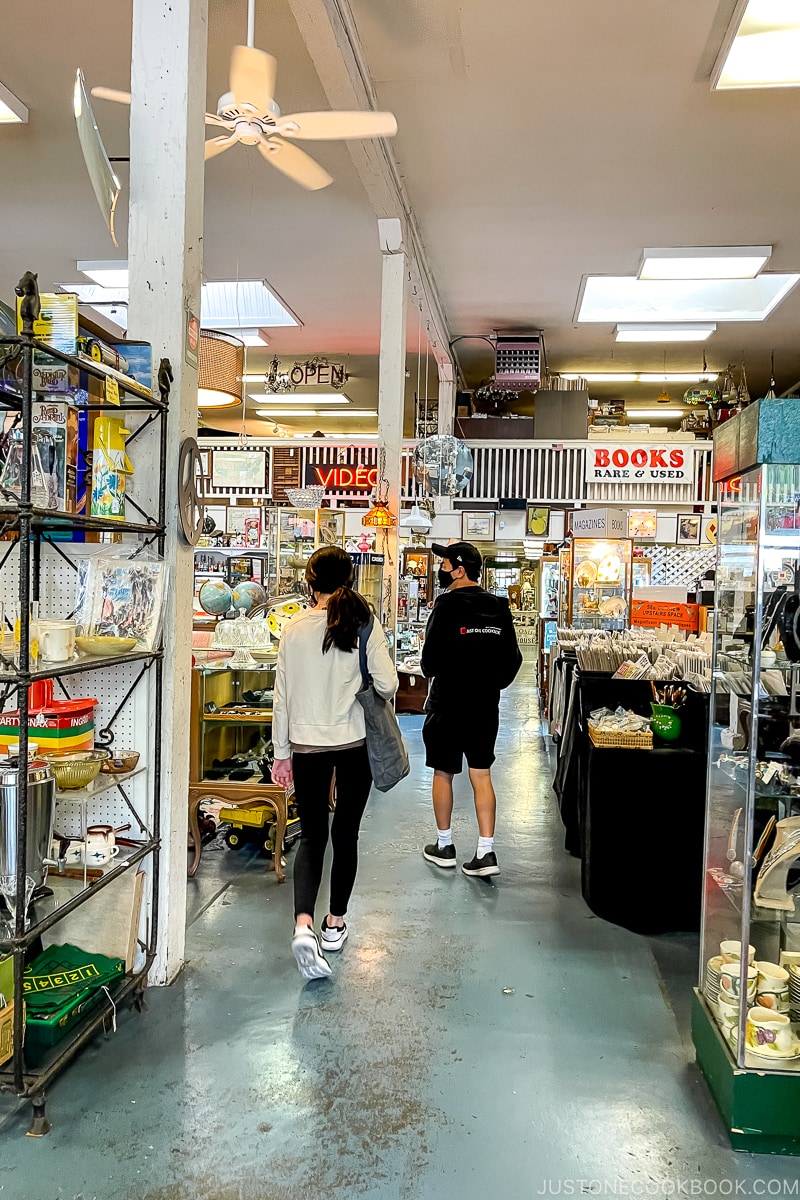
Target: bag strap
(363, 637)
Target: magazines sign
(639, 462)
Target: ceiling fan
(248, 114)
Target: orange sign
(649, 614)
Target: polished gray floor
(476, 1038)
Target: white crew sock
(445, 838)
(485, 846)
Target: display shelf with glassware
(47, 743)
(746, 1010)
(595, 583)
(548, 620)
(296, 541)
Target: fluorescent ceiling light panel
(250, 337)
(12, 110)
(641, 377)
(761, 48)
(703, 262)
(664, 333)
(666, 411)
(108, 274)
(622, 299)
(313, 412)
(307, 399)
(248, 304)
(94, 294)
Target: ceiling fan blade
(104, 93)
(215, 146)
(295, 163)
(322, 126)
(252, 77)
(213, 119)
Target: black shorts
(451, 736)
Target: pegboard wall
(131, 729)
(679, 566)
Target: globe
(215, 597)
(248, 595)
(442, 465)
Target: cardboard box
(6, 1032)
(60, 420)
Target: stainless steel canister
(41, 814)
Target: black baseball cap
(461, 554)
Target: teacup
(729, 1011)
(773, 987)
(98, 855)
(730, 981)
(732, 952)
(769, 1033)
(57, 640)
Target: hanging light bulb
(664, 396)
(379, 516)
(416, 520)
(771, 393)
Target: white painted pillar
(447, 398)
(392, 391)
(165, 254)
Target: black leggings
(313, 775)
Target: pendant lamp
(221, 374)
(379, 516)
(416, 520)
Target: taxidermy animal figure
(31, 307)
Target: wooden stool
(232, 795)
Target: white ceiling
(539, 142)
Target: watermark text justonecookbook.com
(669, 1187)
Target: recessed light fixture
(12, 110)
(664, 333)
(703, 262)
(623, 299)
(254, 338)
(308, 399)
(108, 274)
(633, 413)
(761, 47)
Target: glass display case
(746, 1023)
(369, 579)
(297, 540)
(595, 583)
(642, 571)
(414, 589)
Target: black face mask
(445, 578)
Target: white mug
(99, 855)
(732, 952)
(56, 640)
(730, 981)
(773, 987)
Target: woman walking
(318, 733)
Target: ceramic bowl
(121, 761)
(76, 770)
(105, 646)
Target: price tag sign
(112, 390)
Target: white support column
(447, 398)
(392, 390)
(168, 86)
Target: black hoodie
(470, 648)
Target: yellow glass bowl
(105, 646)
(76, 770)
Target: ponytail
(347, 612)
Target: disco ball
(442, 465)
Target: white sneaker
(333, 937)
(305, 948)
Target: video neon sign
(344, 479)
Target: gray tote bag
(388, 756)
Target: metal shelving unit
(30, 527)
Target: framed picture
(478, 526)
(120, 597)
(642, 524)
(689, 529)
(238, 469)
(537, 521)
(244, 525)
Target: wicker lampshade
(221, 377)
(379, 516)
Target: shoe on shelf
(306, 949)
(441, 856)
(333, 936)
(482, 866)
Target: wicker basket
(306, 497)
(621, 740)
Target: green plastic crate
(60, 986)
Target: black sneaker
(482, 866)
(441, 856)
(306, 949)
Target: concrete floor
(476, 1038)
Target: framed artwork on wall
(537, 520)
(688, 529)
(642, 524)
(478, 526)
(238, 469)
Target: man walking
(471, 653)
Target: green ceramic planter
(665, 722)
